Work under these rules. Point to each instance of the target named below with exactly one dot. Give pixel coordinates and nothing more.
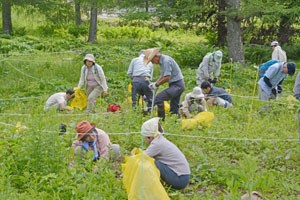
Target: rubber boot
(161, 112)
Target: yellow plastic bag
(202, 119)
(141, 177)
(80, 99)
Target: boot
(161, 112)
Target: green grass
(225, 162)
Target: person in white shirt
(59, 100)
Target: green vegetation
(243, 150)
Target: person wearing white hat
(169, 72)
(171, 162)
(278, 53)
(209, 68)
(194, 102)
(141, 76)
(92, 76)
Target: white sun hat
(150, 128)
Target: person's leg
(93, 95)
(223, 103)
(263, 95)
(134, 93)
(148, 93)
(115, 150)
(170, 177)
(175, 90)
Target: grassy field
(243, 150)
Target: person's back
(220, 92)
(55, 100)
(278, 53)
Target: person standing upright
(141, 76)
(92, 76)
(278, 53)
(169, 72)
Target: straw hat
(149, 54)
(83, 127)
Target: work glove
(209, 80)
(274, 92)
(279, 89)
(153, 86)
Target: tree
(234, 35)
(78, 20)
(93, 22)
(6, 17)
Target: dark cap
(291, 68)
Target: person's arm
(102, 80)
(203, 103)
(297, 87)
(81, 80)
(218, 70)
(130, 69)
(63, 106)
(162, 80)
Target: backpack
(265, 66)
(112, 107)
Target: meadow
(243, 150)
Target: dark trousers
(172, 93)
(140, 87)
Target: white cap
(197, 93)
(274, 43)
(218, 56)
(150, 127)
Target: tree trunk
(222, 31)
(77, 13)
(6, 17)
(285, 30)
(234, 36)
(147, 5)
(93, 23)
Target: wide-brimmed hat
(149, 54)
(291, 68)
(83, 127)
(150, 128)
(89, 57)
(197, 93)
(218, 56)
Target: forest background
(42, 47)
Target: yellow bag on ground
(202, 119)
(80, 99)
(141, 177)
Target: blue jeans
(172, 93)
(171, 178)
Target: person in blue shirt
(141, 76)
(267, 85)
(170, 73)
(216, 96)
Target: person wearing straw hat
(169, 72)
(59, 100)
(92, 76)
(194, 102)
(209, 68)
(141, 76)
(171, 162)
(90, 138)
(267, 85)
(216, 96)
